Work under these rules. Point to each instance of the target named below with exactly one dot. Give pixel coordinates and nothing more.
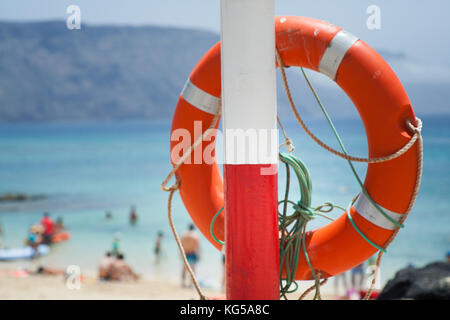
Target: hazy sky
(418, 28)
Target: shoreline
(17, 286)
(37, 287)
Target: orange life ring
(384, 108)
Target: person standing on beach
(49, 226)
(223, 269)
(191, 245)
(337, 278)
(358, 271)
(158, 247)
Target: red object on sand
(374, 295)
(61, 236)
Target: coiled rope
(292, 228)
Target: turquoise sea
(87, 169)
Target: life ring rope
(344, 154)
(416, 137)
(174, 187)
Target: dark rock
(20, 197)
(427, 283)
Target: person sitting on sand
(49, 228)
(49, 271)
(104, 267)
(191, 246)
(121, 271)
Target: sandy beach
(38, 287)
(55, 287)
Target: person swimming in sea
(34, 238)
(108, 215)
(49, 228)
(116, 244)
(158, 249)
(191, 245)
(133, 216)
(59, 225)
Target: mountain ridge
(104, 72)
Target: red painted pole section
(252, 269)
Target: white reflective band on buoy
(338, 47)
(366, 209)
(200, 99)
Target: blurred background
(85, 118)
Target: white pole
(250, 146)
(248, 65)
